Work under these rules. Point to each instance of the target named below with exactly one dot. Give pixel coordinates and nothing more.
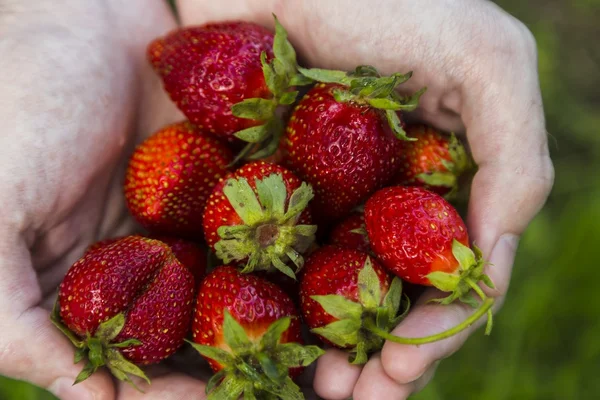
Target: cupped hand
(76, 94)
(480, 67)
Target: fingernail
(64, 389)
(501, 261)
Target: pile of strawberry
(257, 220)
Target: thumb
(31, 348)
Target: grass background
(546, 341)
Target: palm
(99, 101)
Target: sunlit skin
(77, 94)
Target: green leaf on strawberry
(281, 75)
(366, 86)
(350, 329)
(99, 349)
(269, 234)
(256, 368)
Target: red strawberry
(421, 238)
(125, 304)
(350, 233)
(207, 69)
(191, 255)
(435, 161)
(342, 293)
(170, 177)
(249, 332)
(258, 215)
(344, 150)
(219, 75)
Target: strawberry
(350, 233)
(342, 293)
(170, 177)
(434, 161)
(249, 332)
(191, 255)
(125, 304)
(229, 78)
(258, 216)
(343, 136)
(421, 238)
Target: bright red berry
(434, 161)
(170, 177)
(421, 238)
(229, 78)
(350, 233)
(207, 69)
(258, 215)
(343, 293)
(412, 230)
(124, 304)
(244, 319)
(346, 151)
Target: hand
(76, 94)
(479, 64)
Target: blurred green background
(546, 341)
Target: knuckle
(541, 178)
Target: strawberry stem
(484, 308)
(477, 289)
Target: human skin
(76, 95)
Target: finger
(335, 377)
(170, 386)
(33, 350)
(374, 383)
(506, 131)
(408, 363)
(420, 383)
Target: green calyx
(460, 162)
(270, 236)
(100, 349)
(256, 369)
(366, 86)
(460, 284)
(353, 329)
(281, 75)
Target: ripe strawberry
(343, 293)
(207, 69)
(125, 304)
(258, 216)
(229, 77)
(170, 177)
(345, 151)
(249, 332)
(435, 161)
(190, 254)
(421, 238)
(350, 233)
(343, 136)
